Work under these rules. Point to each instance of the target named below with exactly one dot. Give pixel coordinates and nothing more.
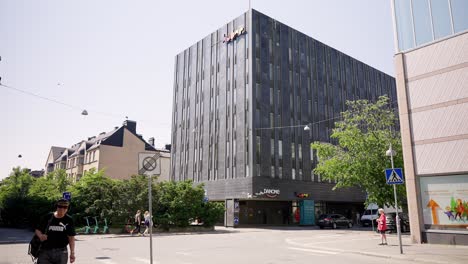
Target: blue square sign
(394, 176)
(67, 196)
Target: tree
(132, 196)
(51, 186)
(14, 201)
(93, 195)
(358, 157)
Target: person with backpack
(56, 231)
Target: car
(334, 221)
(368, 216)
(404, 222)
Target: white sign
(270, 193)
(149, 163)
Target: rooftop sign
(233, 35)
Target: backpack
(36, 243)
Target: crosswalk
(315, 252)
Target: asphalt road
(262, 246)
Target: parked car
(391, 223)
(334, 221)
(368, 216)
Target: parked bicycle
(130, 227)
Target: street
(249, 245)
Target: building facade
(116, 152)
(431, 65)
(242, 98)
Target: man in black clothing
(56, 230)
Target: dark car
(391, 222)
(334, 221)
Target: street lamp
(390, 153)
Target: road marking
(107, 261)
(142, 260)
(183, 253)
(322, 252)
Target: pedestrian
(358, 218)
(382, 226)
(137, 223)
(56, 231)
(148, 222)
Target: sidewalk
(366, 242)
(426, 253)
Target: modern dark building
(242, 98)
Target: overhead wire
(67, 104)
(340, 117)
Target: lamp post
(390, 153)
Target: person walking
(137, 223)
(148, 222)
(56, 231)
(382, 226)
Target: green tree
(358, 157)
(93, 195)
(51, 186)
(132, 196)
(14, 200)
(17, 184)
(178, 203)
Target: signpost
(147, 165)
(394, 176)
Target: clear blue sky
(116, 59)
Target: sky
(115, 59)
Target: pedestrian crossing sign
(394, 176)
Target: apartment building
(115, 151)
(243, 96)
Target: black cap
(62, 202)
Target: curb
(15, 242)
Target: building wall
(165, 163)
(433, 99)
(210, 123)
(298, 80)
(121, 162)
(91, 161)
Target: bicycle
(129, 227)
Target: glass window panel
(422, 22)
(404, 24)
(441, 18)
(459, 14)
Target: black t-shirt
(58, 232)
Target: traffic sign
(67, 196)
(394, 176)
(148, 163)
